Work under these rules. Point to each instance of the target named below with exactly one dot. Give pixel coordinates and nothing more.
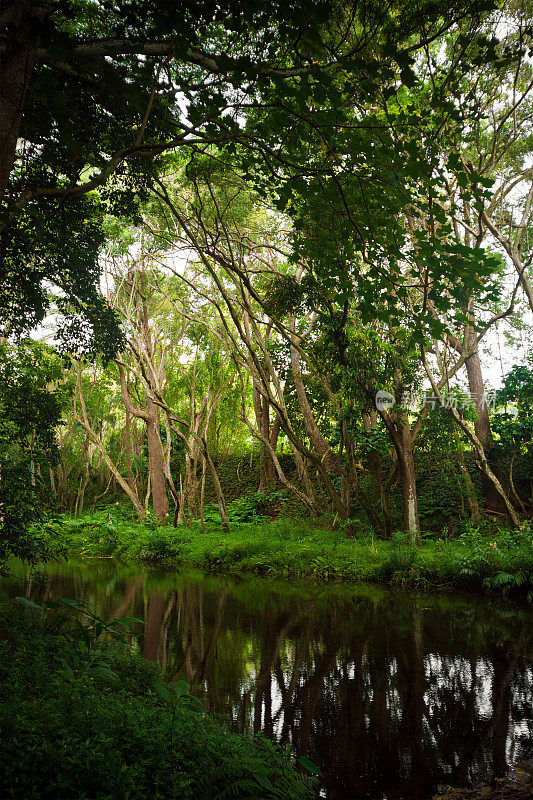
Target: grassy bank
(81, 716)
(500, 562)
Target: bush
(160, 545)
(114, 729)
(503, 563)
(400, 562)
(493, 559)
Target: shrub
(400, 563)
(161, 544)
(116, 731)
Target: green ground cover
(81, 717)
(500, 561)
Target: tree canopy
(271, 214)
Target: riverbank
(82, 716)
(501, 562)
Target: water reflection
(391, 695)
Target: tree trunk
(218, 490)
(21, 19)
(191, 486)
(403, 443)
(158, 480)
(476, 386)
(470, 489)
(303, 473)
(156, 458)
(138, 508)
(267, 470)
(482, 427)
(318, 443)
(202, 497)
(80, 496)
(482, 462)
(127, 453)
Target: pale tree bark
(155, 449)
(128, 453)
(482, 461)
(403, 438)
(85, 423)
(482, 425)
(202, 497)
(476, 385)
(84, 480)
(406, 465)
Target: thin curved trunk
(482, 462)
(470, 489)
(84, 422)
(318, 442)
(218, 490)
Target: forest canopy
(295, 228)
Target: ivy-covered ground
(495, 560)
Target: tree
(33, 393)
(513, 426)
(91, 95)
(95, 92)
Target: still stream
(391, 694)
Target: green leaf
(181, 688)
(164, 694)
(305, 762)
(67, 668)
(263, 780)
(30, 604)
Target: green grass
(289, 548)
(84, 718)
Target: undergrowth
(81, 717)
(501, 562)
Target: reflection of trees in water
(390, 698)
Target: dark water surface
(392, 695)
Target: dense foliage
(302, 218)
(500, 562)
(30, 411)
(275, 247)
(83, 717)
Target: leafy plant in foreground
(137, 738)
(78, 622)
